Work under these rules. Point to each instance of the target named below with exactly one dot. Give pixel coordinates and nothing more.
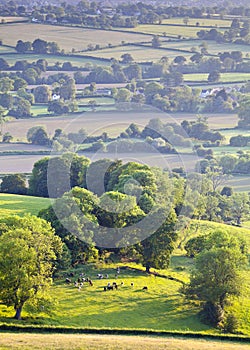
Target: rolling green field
(11, 204)
(66, 37)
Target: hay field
(224, 77)
(26, 341)
(11, 19)
(66, 37)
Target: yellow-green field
(138, 53)
(165, 30)
(224, 78)
(26, 341)
(66, 37)
(207, 22)
(19, 205)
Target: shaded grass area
(11, 204)
(102, 342)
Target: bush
(231, 324)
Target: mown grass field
(52, 59)
(208, 22)
(138, 53)
(166, 30)
(66, 37)
(11, 204)
(26, 341)
(212, 46)
(224, 78)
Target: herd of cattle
(82, 279)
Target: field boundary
(119, 331)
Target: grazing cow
(145, 288)
(71, 274)
(90, 283)
(68, 280)
(116, 286)
(105, 289)
(122, 283)
(132, 284)
(110, 287)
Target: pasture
(6, 49)
(204, 22)
(11, 204)
(224, 77)
(212, 47)
(26, 341)
(166, 30)
(138, 53)
(54, 59)
(67, 38)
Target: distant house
(103, 91)
(55, 97)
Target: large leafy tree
(216, 276)
(28, 250)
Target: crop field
(26, 341)
(11, 204)
(207, 22)
(224, 78)
(138, 53)
(52, 59)
(66, 37)
(112, 122)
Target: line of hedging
(120, 331)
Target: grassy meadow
(11, 204)
(204, 22)
(138, 53)
(224, 77)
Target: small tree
(213, 76)
(14, 183)
(38, 136)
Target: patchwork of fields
(67, 37)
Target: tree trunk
(18, 313)
(147, 268)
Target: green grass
(175, 31)
(138, 53)
(11, 204)
(39, 109)
(52, 59)
(208, 22)
(224, 78)
(6, 49)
